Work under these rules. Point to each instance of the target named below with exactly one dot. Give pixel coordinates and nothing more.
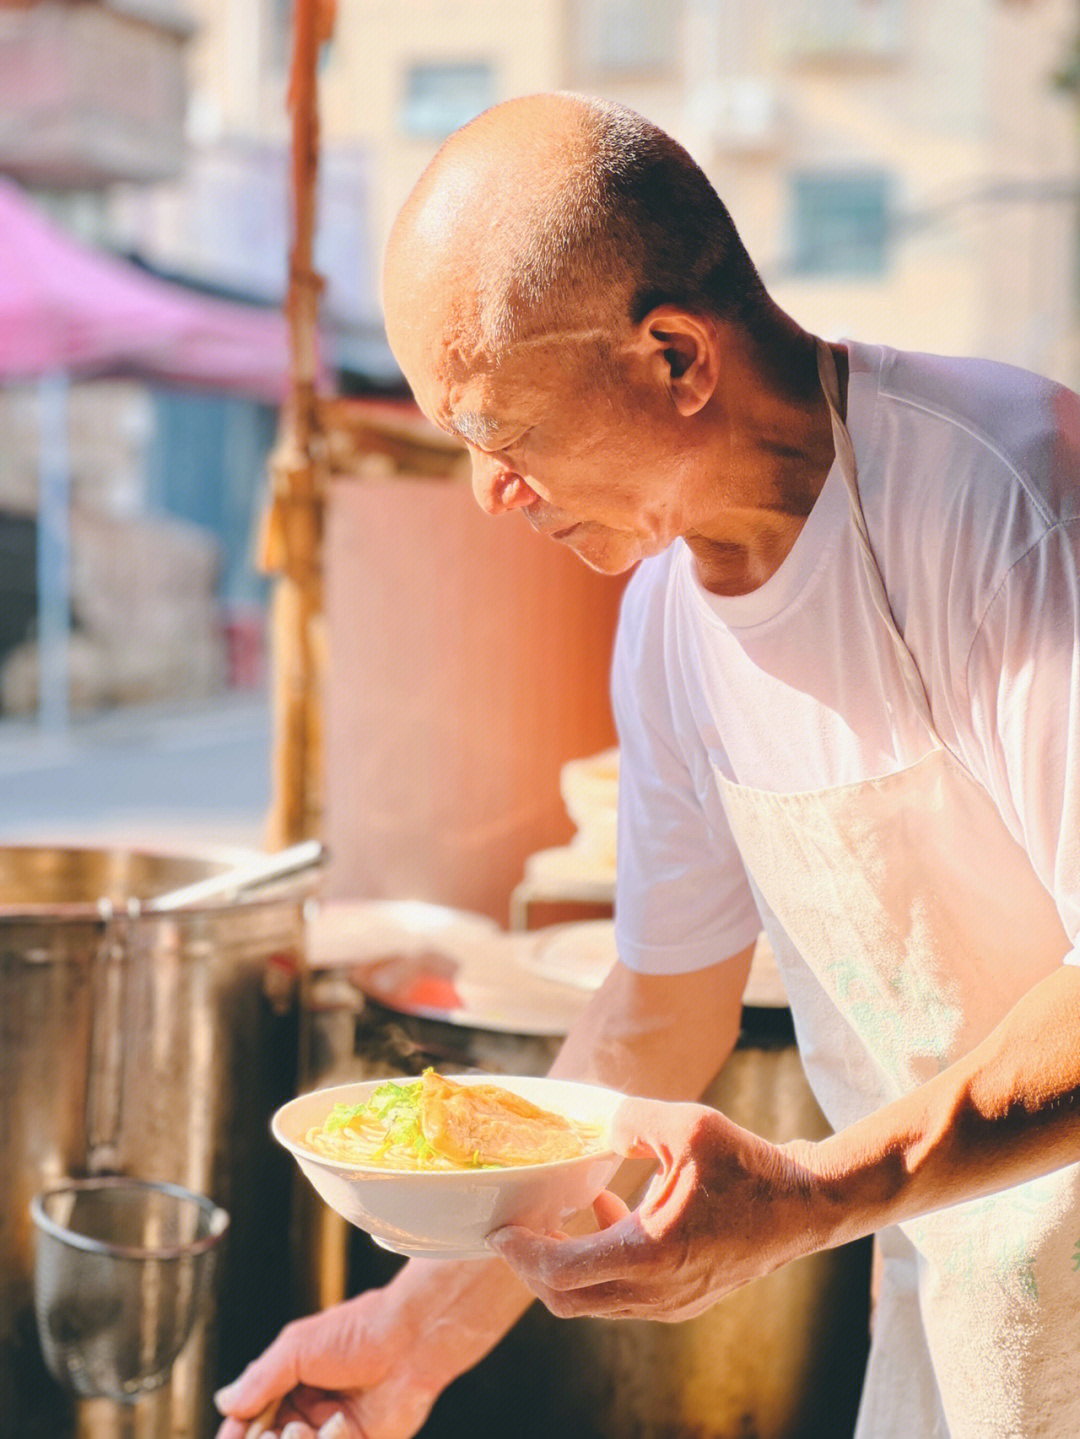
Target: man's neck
(778, 450)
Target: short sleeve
(682, 898)
(1023, 677)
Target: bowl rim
(374, 1171)
(218, 1218)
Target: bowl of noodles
(431, 1166)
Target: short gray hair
(630, 222)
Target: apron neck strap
(845, 457)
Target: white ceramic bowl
(449, 1213)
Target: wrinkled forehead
(433, 316)
(456, 314)
(439, 356)
(457, 361)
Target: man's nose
(497, 487)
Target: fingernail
(504, 1237)
(224, 1396)
(334, 1428)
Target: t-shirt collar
(822, 525)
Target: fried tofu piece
(478, 1124)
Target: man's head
(551, 287)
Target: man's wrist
(1005, 1113)
(455, 1313)
(843, 1192)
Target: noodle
(432, 1123)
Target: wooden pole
(291, 545)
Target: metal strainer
(123, 1271)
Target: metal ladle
(241, 879)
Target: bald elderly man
(847, 687)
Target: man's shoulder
(951, 382)
(996, 427)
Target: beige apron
(907, 921)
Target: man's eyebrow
(476, 428)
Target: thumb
(329, 1350)
(265, 1379)
(634, 1128)
(308, 1351)
(609, 1209)
(269, 1377)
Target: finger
(544, 1262)
(609, 1209)
(639, 1127)
(617, 1300)
(336, 1427)
(327, 1350)
(261, 1424)
(311, 1408)
(233, 1429)
(621, 1299)
(322, 1419)
(284, 1423)
(260, 1387)
(263, 1421)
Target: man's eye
(495, 444)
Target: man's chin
(606, 552)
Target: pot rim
(218, 1219)
(101, 909)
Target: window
(440, 98)
(628, 37)
(840, 222)
(839, 29)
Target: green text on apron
(907, 922)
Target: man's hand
(345, 1361)
(382, 1359)
(725, 1207)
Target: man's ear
(683, 350)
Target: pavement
(184, 778)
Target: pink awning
(65, 307)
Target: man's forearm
(457, 1312)
(664, 1037)
(1007, 1112)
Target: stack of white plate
(580, 955)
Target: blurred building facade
(92, 93)
(903, 171)
(225, 220)
(126, 509)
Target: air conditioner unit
(738, 113)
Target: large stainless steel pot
(155, 1046)
(780, 1359)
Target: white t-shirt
(969, 474)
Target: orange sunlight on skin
(613, 437)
